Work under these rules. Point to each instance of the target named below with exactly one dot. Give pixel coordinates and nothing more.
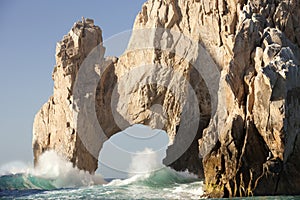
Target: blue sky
(28, 35)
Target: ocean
(162, 184)
(55, 178)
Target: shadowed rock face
(256, 120)
(221, 77)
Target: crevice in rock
(178, 11)
(188, 16)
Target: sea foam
(62, 173)
(52, 169)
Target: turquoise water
(56, 178)
(161, 184)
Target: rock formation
(220, 76)
(257, 123)
(54, 125)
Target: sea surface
(162, 184)
(55, 178)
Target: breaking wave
(52, 172)
(55, 177)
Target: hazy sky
(137, 149)
(29, 31)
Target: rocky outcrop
(54, 125)
(253, 132)
(220, 76)
(256, 120)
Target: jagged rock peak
(54, 125)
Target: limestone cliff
(54, 125)
(220, 76)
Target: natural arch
(96, 97)
(165, 113)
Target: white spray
(56, 168)
(146, 161)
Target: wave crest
(53, 171)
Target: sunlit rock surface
(221, 77)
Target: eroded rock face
(126, 92)
(255, 135)
(220, 76)
(54, 125)
(256, 46)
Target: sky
(136, 150)
(29, 31)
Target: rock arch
(256, 47)
(96, 97)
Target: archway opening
(135, 150)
